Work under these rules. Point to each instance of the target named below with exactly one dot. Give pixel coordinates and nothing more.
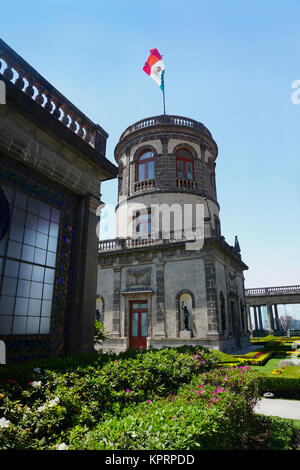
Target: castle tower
(169, 278)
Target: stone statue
(186, 315)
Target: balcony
(144, 185)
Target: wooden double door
(138, 324)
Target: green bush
(215, 412)
(281, 387)
(89, 390)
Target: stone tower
(169, 277)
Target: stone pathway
(289, 409)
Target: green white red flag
(155, 68)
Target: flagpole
(164, 101)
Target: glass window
(134, 324)
(27, 264)
(144, 324)
(145, 166)
(184, 165)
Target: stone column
(270, 319)
(249, 319)
(211, 295)
(260, 318)
(255, 319)
(160, 327)
(277, 325)
(81, 323)
(116, 325)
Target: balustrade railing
(185, 183)
(166, 120)
(273, 290)
(17, 71)
(144, 185)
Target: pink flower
(214, 400)
(200, 386)
(175, 417)
(197, 393)
(226, 378)
(213, 392)
(149, 401)
(127, 390)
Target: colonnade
(273, 320)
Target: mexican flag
(155, 68)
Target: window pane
(40, 256)
(43, 226)
(146, 155)
(52, 244)
(45, 326)
(189, 170)
(16, 233)
(1, 265)
(51, 259)
(25, 271)
(150, 170)
(45, 210)
(41, 240)
(32, 221)
(134, 324)
(7, 305)
(5, 325)
(28, 253)
(46, 308)
(36, 290)
(21, 306)
(19, 325)
(54, 230)
(49, 276)
(47, 294)
(9, 286)
(141, 172)
(180, 169)
(139, 305)
(33, 325)
(34, 307)
(38, 273)
(23, 288)
(30, 237)
(144, 324)
(18, 217)
(14, 249)
(11, 268)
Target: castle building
(169, 278)
(52, 162)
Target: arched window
(145, 166)
(184, 165)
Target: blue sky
(229, 64)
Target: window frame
(185, 160)
(145, 162)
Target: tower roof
(167, 123)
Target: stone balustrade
(17, 71)
(166, 120)
(185, 183)
(144, 185)
(273, 290)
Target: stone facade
(161, 275)
(52, 162)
